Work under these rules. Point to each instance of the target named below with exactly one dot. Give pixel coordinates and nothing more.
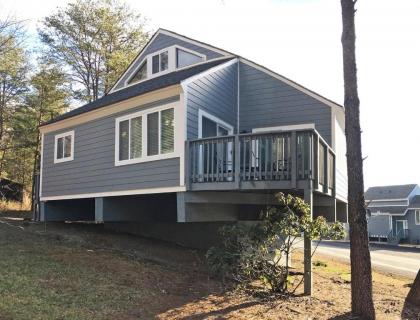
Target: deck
(280, 160)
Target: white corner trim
(202, 113)
(143, 114)
(284, 128)
(62, 135)
(182, 125)
(41, 164)
(291, 83)
(115, 193)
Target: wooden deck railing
(277, 156)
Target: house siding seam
(267, 101)
(160, 42)
(93, 169)
(215, 93)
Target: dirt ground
(67, 271)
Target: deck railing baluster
(270, 156)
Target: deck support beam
(307, 245)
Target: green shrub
(262, 252)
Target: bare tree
(361, 272)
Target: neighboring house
(193, 133)
(394, 213)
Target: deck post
(187, 165)
(307, 246)
(326, 170)
(316, 161)
(293, 148)
(237, 163)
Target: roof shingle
(389, 192)
(141, 88)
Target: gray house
(189, 136)
(394, 213)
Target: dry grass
(75, 273)
(8, 206)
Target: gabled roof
(173, 34)
(394, 210)
(176, 77)
(143, 87)
(415, 202)
(389, 192)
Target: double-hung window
(417, 216)
(64, 147)
(145, 136)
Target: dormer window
(160, 62)
(164, 61)
(184, 58)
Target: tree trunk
(413, 296)
(361, 274)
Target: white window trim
(220, 122)
(145, 157)
(417, 212)
(62, 135)
(405, 224)
(171, 63)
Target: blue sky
(301, 40)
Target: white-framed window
(64, 147)
(141, 73)
(163, 61)
(185, 58)
(160, 62)
(417, 216)
(145, 136)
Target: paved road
(395, 260)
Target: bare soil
(69, 271)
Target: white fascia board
(115, 193)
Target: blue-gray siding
(414, 230)
(215, 93)
(266, 101)
(163, 41)
(93, 169)
(379, 225)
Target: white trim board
(202, 113)
(117, 107)
(115, 193)
(284, 128)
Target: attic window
(160, 62)
(140, 74)
(184, 58)
(163, 61)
